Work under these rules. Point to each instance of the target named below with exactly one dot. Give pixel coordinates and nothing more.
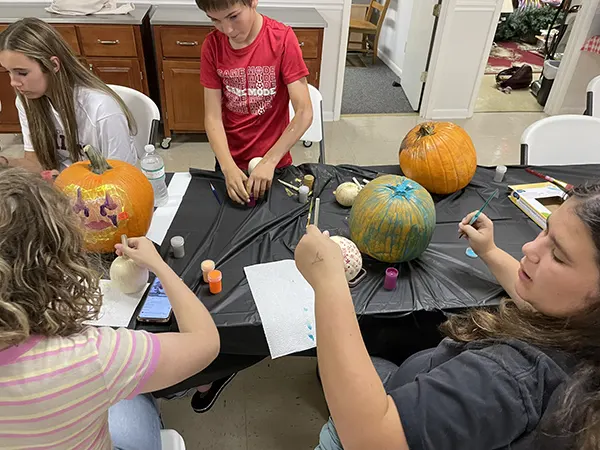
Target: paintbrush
(478, 213)
(291, 186)
(561, 184)
(310, 208)
(317, 208)
(214, 191)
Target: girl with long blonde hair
(62, 105)
(64, 385)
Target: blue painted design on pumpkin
(392, 219)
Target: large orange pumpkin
(111, 198)
(440, 156)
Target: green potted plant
(525, 24)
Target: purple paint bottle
(391, 278)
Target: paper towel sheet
(164, 215)
(117, 308)
(286, 304)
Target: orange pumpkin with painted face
(111, 198)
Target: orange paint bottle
(215, 281)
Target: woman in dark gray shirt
(522, 377)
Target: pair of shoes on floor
(203, 401)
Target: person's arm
(261, 177)
(365, 416)
(197, 344)
(29, 161)
(213, 121)
(503, 266)
(301, 122)
(114, 138)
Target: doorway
(529, 32)
(390, 80)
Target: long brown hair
(47, 284)
(577, 336)
(39, 41)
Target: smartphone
(156, 307)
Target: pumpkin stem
(427, 129)
(403, 189)
(98, 163)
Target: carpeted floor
(369, 90)
(504, 55)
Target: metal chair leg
(322, 143)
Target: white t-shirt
(101, 123)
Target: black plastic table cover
(443, 279)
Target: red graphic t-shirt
(254, 82)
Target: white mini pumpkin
(346, 193)
(126, 275)
(253, 163)
(351, 255)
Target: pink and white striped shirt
(55, 392)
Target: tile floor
(279, 404)
(492, 100)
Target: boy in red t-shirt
(251, 68)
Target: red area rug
(506, 54)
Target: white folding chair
(316, 132)
(593, 98)
(171, 440)
(145, 113)
(562, 140)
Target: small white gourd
(351, 255)
(346, 193)
(253, 163)
(126, 275)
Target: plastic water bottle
(153, 167)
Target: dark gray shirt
(484, 395)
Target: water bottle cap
(149, 148)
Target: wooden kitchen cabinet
(122, 72)
(9, 116)
(178, 49)
(113, 52)
(184, 96)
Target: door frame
(346, 13)
(568, 65)
(339, 85)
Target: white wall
(577, 68)
(394, 33)
(333, 11)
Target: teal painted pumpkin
(392, 219)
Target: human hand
(480, 234)
(142, 252)
(261, 178)
(235, 180)
(319, 259)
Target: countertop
(12, 12)
(191, 15)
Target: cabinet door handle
(115, 42)
(91, 67)
(302, 44)
(187, 43)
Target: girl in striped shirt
(64, 385)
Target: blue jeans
(135, 424)
(329, 439)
